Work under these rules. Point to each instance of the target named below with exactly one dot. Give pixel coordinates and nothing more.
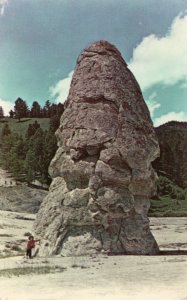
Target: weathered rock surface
(172, 162)
(102, 173)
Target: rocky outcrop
(102, 173)
(172, 162)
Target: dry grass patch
(40, 270)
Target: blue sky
(40, 41)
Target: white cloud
(152, 103)
(162, 60)
(171, 116)
(3, 3)
(7, 106)
(61, 89)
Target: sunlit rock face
(102, 174)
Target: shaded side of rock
(172, 162)
(102, 174)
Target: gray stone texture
(102, 174)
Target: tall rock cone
(102, 174)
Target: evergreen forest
(28, 141)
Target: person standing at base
(30, 245)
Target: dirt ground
(96, 277)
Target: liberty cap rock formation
(102, 174)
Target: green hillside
(171, 167)
(27, 147)
(172, 137)
(22, 126)
(170, 201)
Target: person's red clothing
(31, 244)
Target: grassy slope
(21, 127)
(171, 200)
(165, 206)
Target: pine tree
(11, 114)
(46, 109)
(30, 165)
(13, 154)
(20, 109)
(1, 112)
(35, 155)
(31, 130)
(7, 144)
(36, 110)
(54, 123)
(50, 146)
